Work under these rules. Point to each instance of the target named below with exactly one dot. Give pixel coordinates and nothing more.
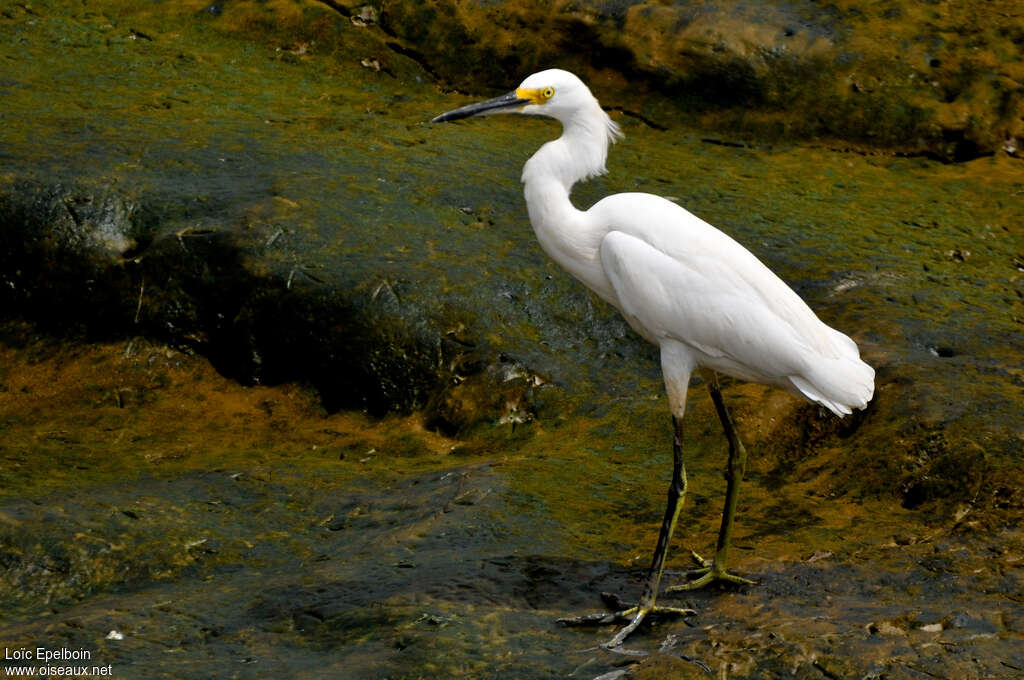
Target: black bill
(506, 103)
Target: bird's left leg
(676, 365)
(715, 570)
(676, 494)
(635, 615)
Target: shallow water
(243, 531)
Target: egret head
(554, 93)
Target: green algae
(257, 527)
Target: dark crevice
(640, 117)
(392, 44)
(414, 55)
(339, 8)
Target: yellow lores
(536, 96)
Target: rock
(210, 291)
(65, 248)
(907, 77)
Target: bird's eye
(548, 92)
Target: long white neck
(548, 177)
(580, 153)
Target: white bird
(700, 296)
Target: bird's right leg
(715, 570)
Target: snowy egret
(682, 284)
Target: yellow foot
(634, 615)
(706, 573)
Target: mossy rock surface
(940, 78)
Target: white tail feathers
(840, 385)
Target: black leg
(635, 615)
(716, 569)
(676, 494)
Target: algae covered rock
(941, 78)
(81, 259)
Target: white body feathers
(704, 299)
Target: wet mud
(232, 531)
